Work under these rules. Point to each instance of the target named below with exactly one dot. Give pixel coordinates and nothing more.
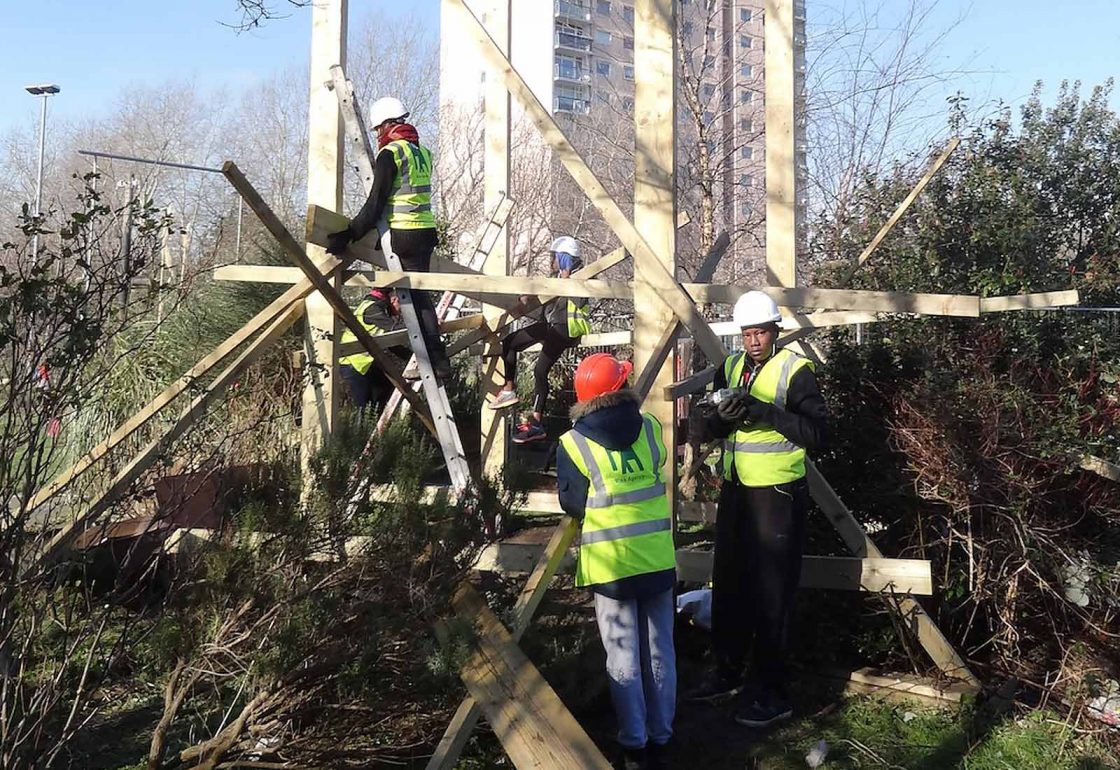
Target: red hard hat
(600, 373)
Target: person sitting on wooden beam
(402, 194)
(566, 320)
(379, 312)
(608, 475)
(770, 412)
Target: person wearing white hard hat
(774, 414)
(402, 195)
(566, 320)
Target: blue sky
(94, 49)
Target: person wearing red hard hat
(609, 476)
(773, 413)
(379, 312)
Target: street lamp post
(43, 90)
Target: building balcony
(571, 72)
(571, 104)
(565, 9)
(572, 42)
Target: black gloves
(337, 242)
(733, 409)
(759, 411)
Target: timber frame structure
(503, 686)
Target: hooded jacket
(613, 420)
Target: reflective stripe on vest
(760, 455)
(361, 362)
(627, 529)
(410, 202)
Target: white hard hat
(755, 309)
(386, 108)
(568, 245)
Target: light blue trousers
(641, 663)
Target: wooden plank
(655, 273)
(525, 713)
(902, 207)
(155, 449)
(296, 253)
(905, 687)
(846, 299)
(400, 337)
(839, 573)
(1038, 301)
(1101, 467)
(921, 624)
(780, 106)
(466, 717)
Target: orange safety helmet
(600, 373)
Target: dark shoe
(764, 711)
(657, 756)
(715, 685)
(528, 432)
(633, 759)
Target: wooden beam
(150, 453)
(840, 573)
(525, 713)
(846, 299)
(780, 104)
(654, 273)
(400, 337)
(903, 688)
(458, 732)
(296, 253)
(1101, 467)
(1040, 301)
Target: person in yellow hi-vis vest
(770, 412)
(566, 320)
(402, 194)
(379, 312)
(609, 474)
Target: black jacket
(378, 313)
(613, 420)
(384, 172)
(804, 421)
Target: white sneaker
(504, 398)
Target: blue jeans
(641, 663)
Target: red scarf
(395, 131)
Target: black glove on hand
(337, 242)
(758, 411)
(732, 409)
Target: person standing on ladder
(402, 194)
(566, 320)
(608, 475)
(379, 312)
(774, 414)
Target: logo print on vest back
(628, 459)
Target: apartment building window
(746, 180)
(602, 37)
(708, 89)
(628, 43)
(603, 68)
(711, 33)
(745, 41)
(746, 124)
(628, 72)
(628, 14)
(709, 61)
(747, 153)
(627, 105)
(746, 97)
(744, 14)
(602, 96)
(745, 70)
(707, 117)
(746, 210)
(603, 7)
(686, 28)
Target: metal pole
(240, 211)
(39, 182)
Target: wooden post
(324, 188)
(655, 205)
(781, 170)
(496, 185)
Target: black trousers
(371, 389)
(553, 344)
(760, 537)
(415, 247)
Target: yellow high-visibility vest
(361, 362)
(410, 202)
